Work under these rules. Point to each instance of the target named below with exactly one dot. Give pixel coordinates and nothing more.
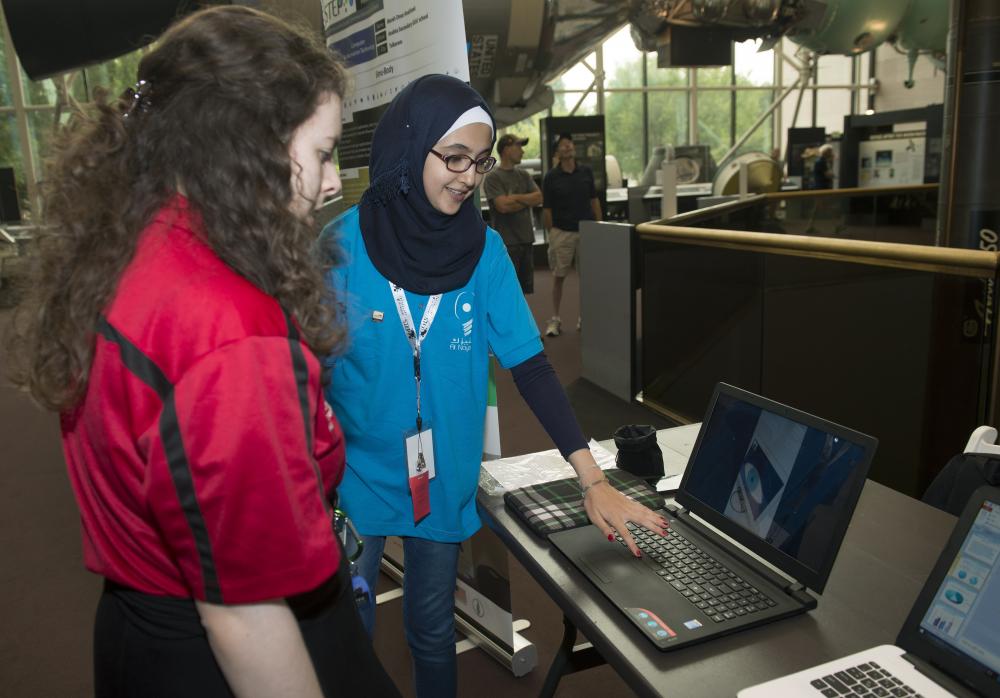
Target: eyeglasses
(461, 163)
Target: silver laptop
(950, 643)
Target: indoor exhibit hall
(713, 282)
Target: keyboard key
(718, 618)
(846, 678)
(818, 683)
(880, 692)
(835, 683)
(856, 672)
(829, 692)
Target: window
(624, 141)
(10, 147)
(714, 120)
(44, 105)
(622, 61)
(668, 118)
(750, 104)
(657, 106)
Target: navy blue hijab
(410, 242)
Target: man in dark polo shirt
(569, 197)
(511, 193)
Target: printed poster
(386, 45)
(891, 160)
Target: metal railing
(891, 338)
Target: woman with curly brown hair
(178, 307)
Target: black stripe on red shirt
(170, 434)
(301, 370)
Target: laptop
(780, 482)
(950, 642)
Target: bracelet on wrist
(585, 489)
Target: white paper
(498, 476)
(503, 474)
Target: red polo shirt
(203, 452)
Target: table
(889, 549)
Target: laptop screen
(787, 478)
(964, 613)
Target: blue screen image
(786, 482)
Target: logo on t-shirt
(463, 313)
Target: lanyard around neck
(415, 335)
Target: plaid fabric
(554, 506)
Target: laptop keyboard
(868, 679)
(706, 583)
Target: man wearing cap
(511, 193)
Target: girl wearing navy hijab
(429, 292)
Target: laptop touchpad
(610, 565)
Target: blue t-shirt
(373, 393)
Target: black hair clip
(137, 97)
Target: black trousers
(149, 647)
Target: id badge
(425, 440)
(420, 470)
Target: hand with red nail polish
(607, 508)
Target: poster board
(387, 44)
(892, 159)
